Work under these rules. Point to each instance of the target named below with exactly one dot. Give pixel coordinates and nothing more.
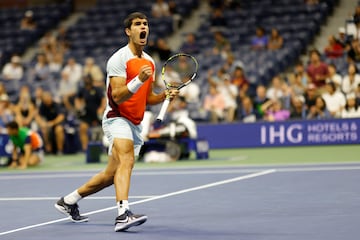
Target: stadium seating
(296, 21)
(15, 41)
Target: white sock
(122, 205)
(72, 198)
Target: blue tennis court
(276, 202)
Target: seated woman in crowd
(276, 41)
(274, 111)
(319, 110)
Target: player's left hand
(171, 93)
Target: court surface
(275, 202)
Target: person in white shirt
(72, 71)
(160, 9)
(352, 109)
(230, 93)
(334, 76)
(351, 80)
(13, 70)
(335, 101)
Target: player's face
(139, 31)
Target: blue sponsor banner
(5, 145)
(289, 133)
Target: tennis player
(130, 76)
(28, 146)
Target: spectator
(28, 22)
(333, 49)
(276, 41)
(356, 15)
(274, 111)
(190, 45)
(351, 81)
(177, 19)
(335, 101)
(230, 92)
(240, 81)
(277, 90)
(222, 45)
(90, 105)
(310, 96)
(215, 79)
(191, 93)
(300, 71)
(297, 110)
(351, 109)
(260, 41)
(13, 70)
(50, 118)
(231, 64)
(296, 85)
(317, 70)
(6, 114)
(24, 109)
(334, 77)
(162, 49)
(41, 69)
(318, 110)
(67, 90)
(217, 20)
(28, 146)
(160, 9)
(353, 55)
(246, 111)
(72, 71)
(259, 100)
(343, 39)
(56, 63)
(2, 89)
(214, 104)
(94, 71)
(37, 98)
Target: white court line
(57, 198)
(240, 169)
(214, 184)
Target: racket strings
(179, 70)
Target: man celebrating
(130, 75)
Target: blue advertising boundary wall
(288, 133)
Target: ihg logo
(281, 134)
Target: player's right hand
(145, 73)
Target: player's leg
(125, 148)
(101, 180)
(68, 204)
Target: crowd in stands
(60, 94)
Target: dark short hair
(12, 125)
(128, 20)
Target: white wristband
(134, 85)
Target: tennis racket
(177, 72)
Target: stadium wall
(275, 134)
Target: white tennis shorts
(124, 129)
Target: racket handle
(163, 109)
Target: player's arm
(122, 91)
(153, 98)
(119, 90)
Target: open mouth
(143, 35)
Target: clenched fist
(145, 73)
